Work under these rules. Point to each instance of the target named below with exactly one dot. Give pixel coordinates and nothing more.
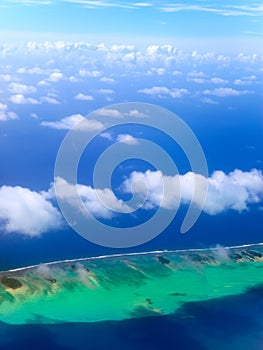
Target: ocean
(230, 321)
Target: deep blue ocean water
(230, 140)
(230, 323)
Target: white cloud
(17, 88)
(158, 71)
(107, 80)
(162, 91)
(135, 113)
(50, 100)
(176, 72)
(209, 101)
(109, 99)
(32, 2)
(114, 113)
(73, 79)
(218, 81)
(108, 112)
(98, 202)
(196, 74)
(198, 77)
(32, 213)
(21, 99)
(34, 70)
(234, 191)
(55, 77)
(43, 83)
(228, 10)
(122, 138)
(76, 120)
(100, 3)
(6, 78)
(3, 107)
(106, 135)
(251, 77)
(224, 92)
(27, 212)
(106, 91)
(142, 4)
(127, 139)
(82, 97)
(197, 80)
(242, 82)
(5, 114)
(92, 74)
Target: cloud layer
(155, 72)
(235, 191)
(32, 213)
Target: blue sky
(217, 24)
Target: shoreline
(112, 256)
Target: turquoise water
(126, 286)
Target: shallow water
(126, 286)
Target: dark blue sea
(230, 323)
(235, 323)
(230, 140)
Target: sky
(214, 23)
(61, 61)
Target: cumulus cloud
(245, 81)
(83, 97)
(128, 139)
(20, 99)
(17, 88)
(74, 120)
(158, 71)
(107, 80)
(86, 73)
(209, 101)
(98, 202)
(107, 136)
(224, 92)
(122, 138)
(235, 191)
(109, 112)
(214, 80)
(162, 91)
(218, 81)
(34, 70)
(5, 114)
(137, 114)
(43, 83)
(114, 113)
(55, 77)
(32, 213)
(6, 78)
(176, 72)
(197, 80)
(196, 74)
(106, 91)
(27, 212)
(50, 100)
